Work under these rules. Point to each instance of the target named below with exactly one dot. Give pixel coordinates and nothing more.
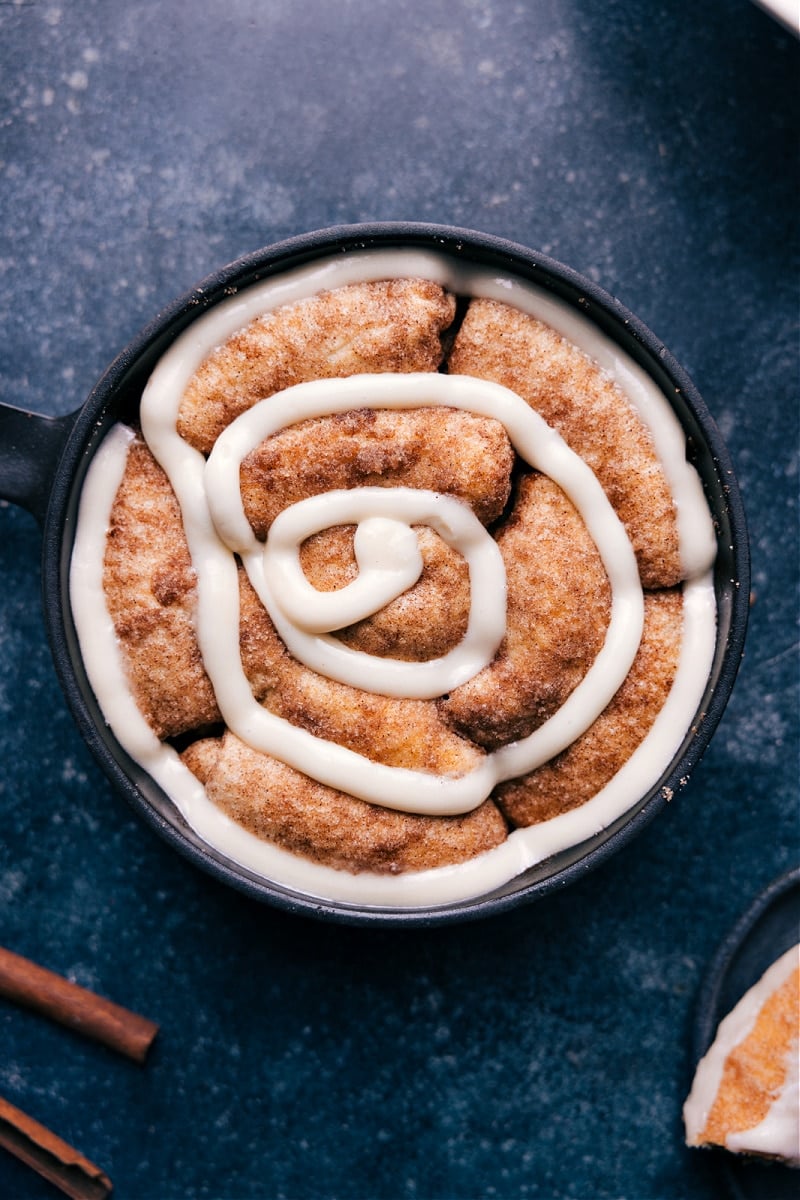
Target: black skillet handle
(30, 450)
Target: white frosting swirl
(389, 559)
(216, 528)
(389, 562)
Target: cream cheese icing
(209, 498)
(778, 1134)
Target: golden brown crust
(438, 449)
(398, 733)
(279, 804)
(394, 325)
(426, 622)
(558, 593)
(202, 756)
(441, 450)
(558, 610)
(755, 1070)
(151, 592)
(577, 774)
(589, 411)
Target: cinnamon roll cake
(402, 582)
(745, 1096)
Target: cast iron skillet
(43, 462)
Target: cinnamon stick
(53, 1158)
(45, 992)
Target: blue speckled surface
(544, 1053)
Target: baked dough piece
(589, 411)
(746, 1091)
(396, 732)
(558, 609)
(440, 450)
(558, 593)
(437, 449)
(151, 592)
(279, 804)
(394, 325)
(426, 622)
(578, 773)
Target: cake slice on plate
(746, 1091)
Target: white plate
(785, 11)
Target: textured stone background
(544, 1053)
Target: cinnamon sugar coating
(440, 450)
(395, 325)
(281, 805)
(151, 592)
(558, 593)
(426, 622)
(437, 449)
(578, 773)
(396, 732)
(589, 411)
(558, 609)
